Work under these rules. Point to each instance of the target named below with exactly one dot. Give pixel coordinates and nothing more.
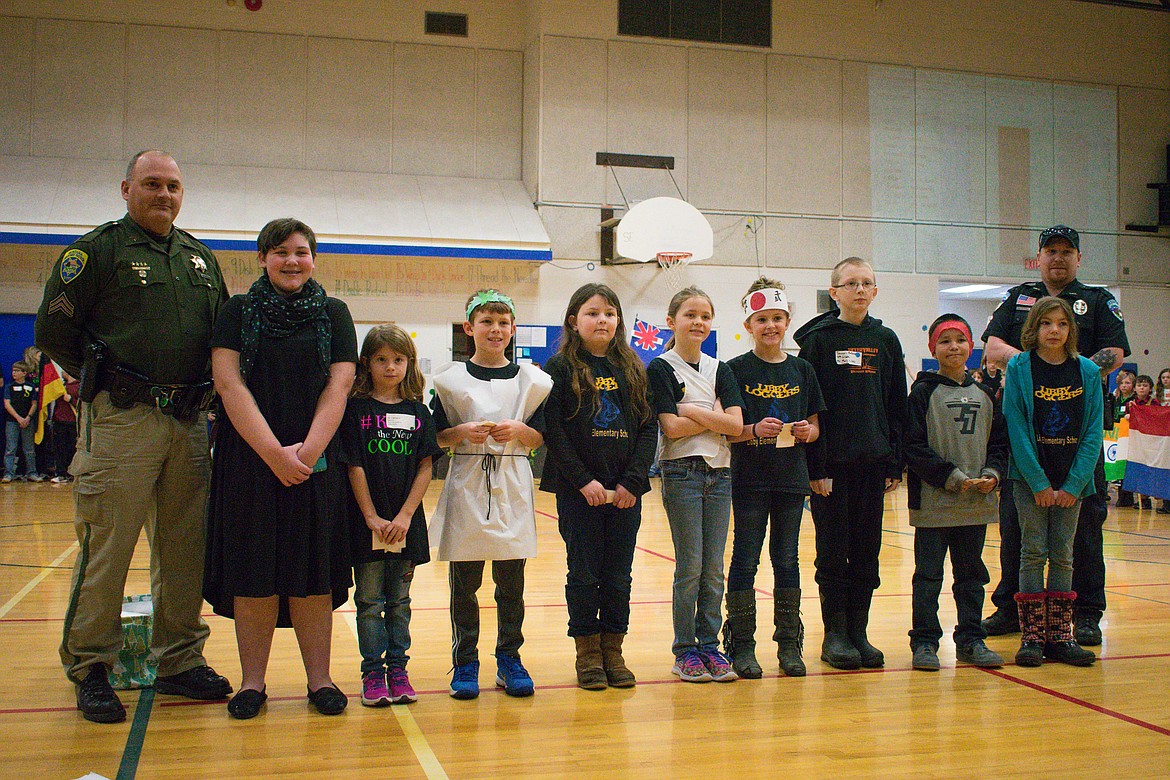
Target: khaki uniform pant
(137, 467)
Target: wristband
(754, 436)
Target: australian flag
(648, 340)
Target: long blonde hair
(398, 341)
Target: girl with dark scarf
(283, 358)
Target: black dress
(265, 539)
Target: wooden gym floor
(1111, 718)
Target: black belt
(183, 402)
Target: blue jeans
(13, 433)
(752, 510)
(697, 499)
(1046, 535)
(382, 597)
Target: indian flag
(1148, 470)
(1116, 447)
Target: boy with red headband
(956, 448)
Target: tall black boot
(739, 633)
(871, 657)
(789, 634)
(837, 651)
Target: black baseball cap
(1061, 231)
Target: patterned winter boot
(1033, 628)
(1060, 645)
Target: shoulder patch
(72, 264)
(1115, 307)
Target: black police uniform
(1099, 325)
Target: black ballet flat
(247, 703)
(329, 700)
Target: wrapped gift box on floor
(135, 668)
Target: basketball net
(672, 264)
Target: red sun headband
(948, 325)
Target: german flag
(52, 388)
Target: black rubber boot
(739, 634)
(789, 634)
(1004, 620)
(871, 657)
(837, 651)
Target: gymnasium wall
(929, 141)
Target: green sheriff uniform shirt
(152, 302)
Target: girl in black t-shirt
(601, 435)
(388, 439)
(769, 479)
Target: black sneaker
(1001, 622)
(200, 682)
(1087, 630)
(96, 698)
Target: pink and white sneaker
(401, 691)
(374, 692)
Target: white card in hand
(381, 545)
(785, 437)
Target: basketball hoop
(672, 263)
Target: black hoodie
(862, 373)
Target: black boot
(739, 633)
(789, 634)
(871, 657)
(96, 698)
(1004, 620)
(837, 651)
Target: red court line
(1081, 703)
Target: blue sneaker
(465, 681)
(512, 676)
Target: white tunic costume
(486, 511)
(700, 390)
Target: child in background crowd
(698, 406)
(956, 447)
(388, 441)
(601, 434)
(1053, 405)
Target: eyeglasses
(855, 286)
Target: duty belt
(183, 402)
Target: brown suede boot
(1060, 645)
(616, 672)
(1033, 628)
(590, 674)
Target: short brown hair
(849, 262)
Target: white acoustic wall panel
(647, 114)
(803, 243)
(878, 141)
(950, 250)
(28, 186)
(261, 100)
(804, 135)
(1019, 152)
(434, 110)
(530, 154)
(499, 99)
(889, 246)
(1085, 156)
(727, 93)
(1143, 117)
(77, 89)
(17, 37)
(573, 120)
(170, 100)
(348, 121)
(379, 205)
(950, 147)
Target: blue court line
(137, 735)
(327, 247)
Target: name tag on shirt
(401, 422)
(848, 357)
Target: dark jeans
(599, 547)
(64, 444)
(1088, 549)
(465, 578)
(849, 537)
(965, 544)
(751, 509)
